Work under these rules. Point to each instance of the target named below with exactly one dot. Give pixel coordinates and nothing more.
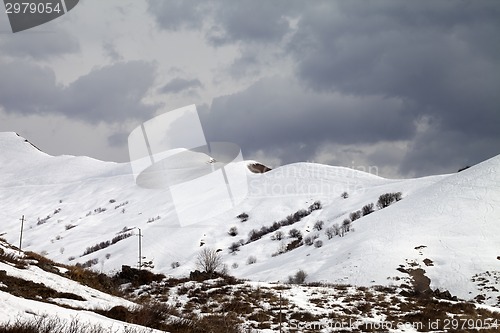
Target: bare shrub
(318, 225)
(330, 232)
(388, 198)
(278, 235)
(243, 217)
(318, 243)
(344, 195)
(346, 226)
(234, 247)
(251, 260)
(294, 233)
(233, 231)
(367, 209)
(209, 261)
(355, 215)
(309, 240)
(299, 277)
(316, 205)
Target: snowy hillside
(30, 292)
(80, 210)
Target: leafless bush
(355, 215)
(318, 225)
(388, 198)
(299, 277)
(233, 231)
(294, 233)
(243, 217)
(209, 261)
(367, 209)
(278, 235)
(251, 260)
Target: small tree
(346, 226)
(209, 261)
(388, 198)
(251, 260)
(278, 235)
(294, 233)
(243, 217)
(254, 235)
(318, 225)
(233, 231)
(315, 206)
(367, 209)
(355, 215)
(336, 229)
(299, 277)
(234, 247)
(330, 232)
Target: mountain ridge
(452, 219)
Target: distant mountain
(81, 210)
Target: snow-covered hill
(30, 294)
(448, 224)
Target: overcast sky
(411, 87)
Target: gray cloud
(111, 94)
(178, 14)
(38, 45)
(250, 21)
(229, 21)
(178, 85)
(118, 139)
(110, 50)
(27, 88)
(277, 113)
(108, 94)
(441, 58)
(358, 79)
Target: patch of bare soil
(258, 168)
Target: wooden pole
(140, 249)
(21, 236)
(280, 312)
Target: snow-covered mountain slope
(29, 293)
(448, 224)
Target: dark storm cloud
(27, 88)
(277, 113)
(229, 21)
(38, 46)
(108, 94)
(178, 85)
(442, 58)
(178, 14)
(118, 139)
(250, 21)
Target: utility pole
(140, 248)
(280, 311)
(21, 236)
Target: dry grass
(56, 325)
